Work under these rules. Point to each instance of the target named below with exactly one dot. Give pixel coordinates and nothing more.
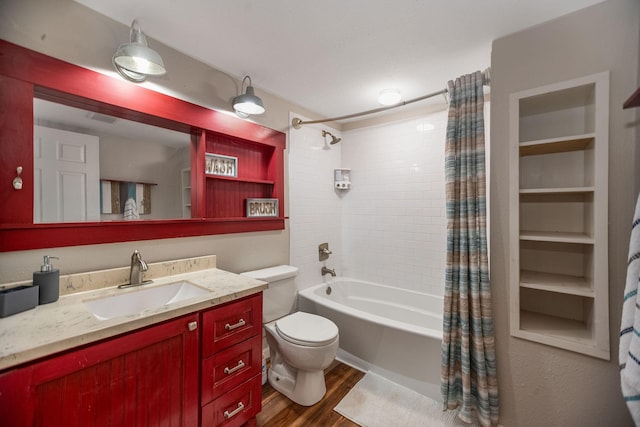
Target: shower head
(334, 140)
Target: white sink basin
(141, 300)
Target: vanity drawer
(230, 324)
(236, 407)
(226, 369)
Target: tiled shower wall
(314, 205)
(390, 227)
(393, 218)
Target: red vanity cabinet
(160, 375)
(148, 377)
(231, 363)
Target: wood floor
(278, 411)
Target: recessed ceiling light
(423, 127)
(389, 97)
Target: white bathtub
(390, 331)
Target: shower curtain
(468, 381)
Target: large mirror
(91, 166)
(171, 201)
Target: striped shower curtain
(468, 380)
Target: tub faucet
(326, 270)
(138, 266)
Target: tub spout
(330, 271)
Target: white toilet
(301, 345)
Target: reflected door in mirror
(66, 176)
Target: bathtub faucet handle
(323, 251)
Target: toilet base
(305, 388)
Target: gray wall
(542, 385)
(68, 31)
(539, 385)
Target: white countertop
(67, 323)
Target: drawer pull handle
(229, 327)
(228, 414)
(240, 365)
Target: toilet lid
(307, 329)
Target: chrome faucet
(326, 270)
(138, 266)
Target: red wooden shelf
(633, 101)
(251, 181)
(126, 182)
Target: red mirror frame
(25, 73)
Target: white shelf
(561, 283)
(559, 110)
(554, 331)
(556, 145)
(556, 236)
(560, 190)
(557, 327)
(558, 215)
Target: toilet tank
(280, 297)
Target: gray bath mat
(378, 402)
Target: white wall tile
(390, 227)
(314, 205)
(394, 230)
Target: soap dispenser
(48, 279)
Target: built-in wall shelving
(558, 215)
(633, 101)
(185, 177)
(257, 177)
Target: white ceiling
(334, 56)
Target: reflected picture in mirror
(90, 166)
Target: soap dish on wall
(15, 300)
(342, 179)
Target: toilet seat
(306, 329)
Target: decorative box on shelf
(262, 208)
(217, 164)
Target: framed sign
(217, 164)
(260, 208)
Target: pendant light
(247, 103)
(136, 60)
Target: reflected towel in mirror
(131, 210)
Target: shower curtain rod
(297, 123)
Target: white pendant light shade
(140, 58)
(130, 75)
(136, 60)
(248, 103)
